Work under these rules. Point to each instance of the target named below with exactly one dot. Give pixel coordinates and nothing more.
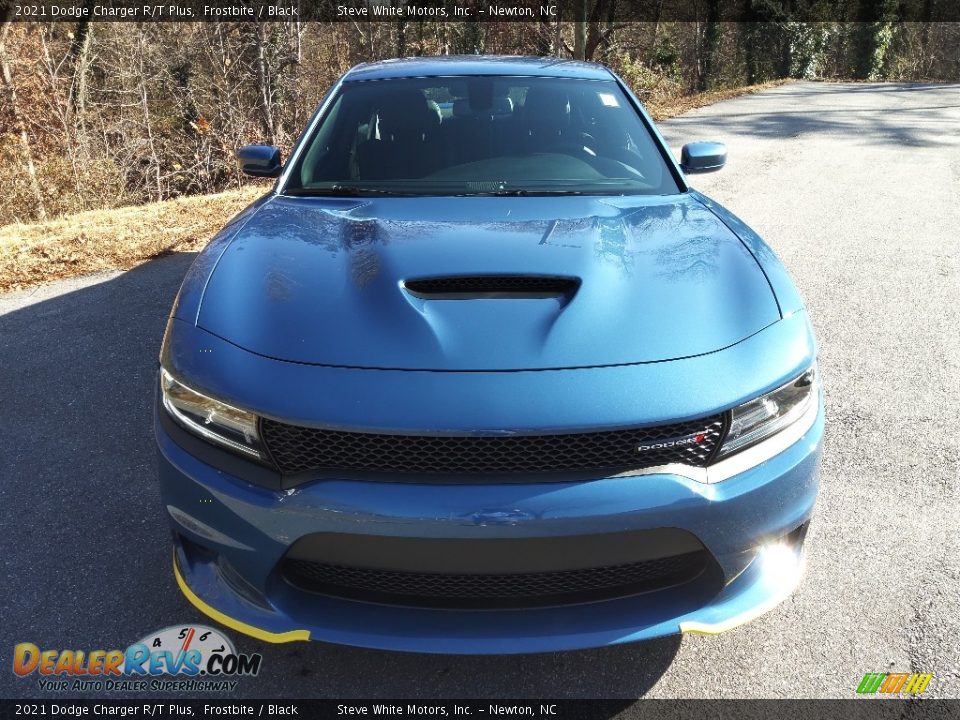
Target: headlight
(769, 414)
(210, 419)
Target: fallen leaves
(117, 239)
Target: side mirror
(701, 157)
(260, 160)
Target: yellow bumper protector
(233, 623)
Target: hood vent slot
(466, 287)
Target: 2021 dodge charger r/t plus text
(482, 374)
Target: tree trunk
(868, 37)
(711, 45)
(263, 86)
(148, 122)
(656, 33)
(544, 46)
(79, 50)
(599, 31)
(20, 126)
(401, 38)
(748, 39)
(580, 31)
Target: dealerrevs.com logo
(179, 658)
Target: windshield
(481, 136)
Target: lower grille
(493, 590)
(298, 449)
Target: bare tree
(20, 126)
(100, 114)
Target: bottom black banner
(859, 709)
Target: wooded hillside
(96, 115)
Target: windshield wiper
(339, 191)
(356, 191)
(521, 192)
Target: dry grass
(663, 108)
(100, 240)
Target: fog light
(781, 564)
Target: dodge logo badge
(688, 440)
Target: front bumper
(230, 536)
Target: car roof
(447, 65)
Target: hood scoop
(468, 287)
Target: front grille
(492, 285)
(493, 590)
(298, 449)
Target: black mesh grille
(493, 590)
(299, 449)
(497, 285)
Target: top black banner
(597, 11)
(170, 709)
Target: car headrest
(547, 101)
(407, 114)
(546, 109)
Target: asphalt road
(857, 187)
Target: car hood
(323, 281)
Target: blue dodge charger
(483, 374)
